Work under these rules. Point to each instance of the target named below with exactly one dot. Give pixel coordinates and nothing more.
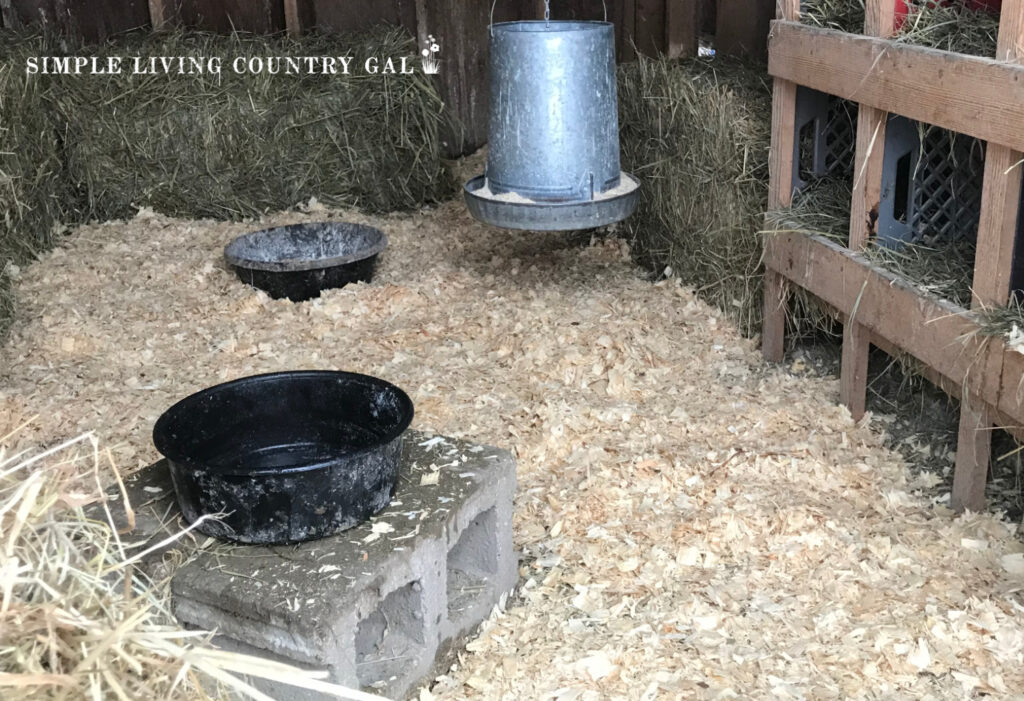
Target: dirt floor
(692, 523)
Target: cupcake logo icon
(431, 63)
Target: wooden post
(627, 51)
(780, 196)
(9, 15)
(292, 19)
(742, 28)
(993, 268)
(682, 27)
(158, 15)
(867, 194)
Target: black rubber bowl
(302, 260)
(285, 457)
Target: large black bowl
(302, 260)
(285, 457)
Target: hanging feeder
(553, 154)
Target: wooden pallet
(979, 97)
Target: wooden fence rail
(981, 97)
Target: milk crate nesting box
(912, 186)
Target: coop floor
(692, 523)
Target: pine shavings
(691, 524)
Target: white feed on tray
(693, 524)
(625, 186)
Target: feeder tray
(553, 148)
(302, 260)
(510, 211)
(285, 457)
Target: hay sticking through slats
(953, 27)
(844, 15)
(232, 146)
(77, 620)
(696, 132)
(1005, 321)
(950, 26)
(944, 269)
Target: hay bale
(944, 269)
(35, 194)
(697, 133)
(237, 145)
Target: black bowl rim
(161, 430)
(297, 264)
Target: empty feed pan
(285, 457)
(301, 260)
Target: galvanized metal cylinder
(554, 129)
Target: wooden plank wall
(647, 24)
(650, 27)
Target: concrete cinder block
(375, 605)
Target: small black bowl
(285, 457)
(302, 260)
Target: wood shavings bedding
(693, 525)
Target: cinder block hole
(390, 640)
(471, 563)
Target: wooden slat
(357, 15)
(256, 16)
(626, 49)
(780, 196)
(8, 15)
(461, 30)
(935, 331)
(1011, 395)
(976, 96)
(743, 27)
(993, 271)
(292, 20)
(158, 16)
(682, 27)
(650, 27)
(864, 206)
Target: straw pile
(697, 133)
(77, 619)
(823, 208)
(237, 145)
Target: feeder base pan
(512, 212)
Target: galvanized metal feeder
(553, 155)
